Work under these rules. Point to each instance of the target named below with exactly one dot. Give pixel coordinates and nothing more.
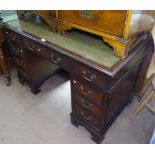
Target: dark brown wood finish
(98, 94)
(33, 68)
(3, 64)
(143, 69)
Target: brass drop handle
(88, 93)
(88, 77)
(85, 117)
(86, 14)
(87, 105)
(12, 37)
(55, 59)
(29, 46)
(22, 72)
(38, 49)
(19, 62)
(17, 51)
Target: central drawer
(47, 53)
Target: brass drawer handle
(38, 49)
(12, 37)
(54, 59)
(86, 14)
(29, 47)
(88, 77)
(88, 93)
(87, 105)
(19, 62)
(85, 117)
(22, 72)
(17, 51)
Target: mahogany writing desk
(101, 83)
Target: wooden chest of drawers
(118, 28)
(110, 22)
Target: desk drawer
(87, 117)
(88, 92)
(61, 61)
(12, 37)
(87, 105)
(90, 75)
(23, 72)
(49, 54)
(37, 48)
(17, 51)
(20, 62)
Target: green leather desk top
(83, 45)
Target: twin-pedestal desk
(101, 83)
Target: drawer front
(111, 22)
(87, 117)
(20, 62)
(18, 56)
(88, 92)
(49, 54)
(61, 61)
(24, 73)
(17, 51)
(37, 48)
(1, 36)
(13, 38)
(87, 105)
(90, 75)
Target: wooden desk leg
(4, 68)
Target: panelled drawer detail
(87, 105)
(62, 61)
(24, 73)
(37, 49)
(88, 92)
(20, 62)
(13, 37)
(87, 116)
(90, 76)
(17, 51)
(49, 54)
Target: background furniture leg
(146, 100)
(4, 68)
